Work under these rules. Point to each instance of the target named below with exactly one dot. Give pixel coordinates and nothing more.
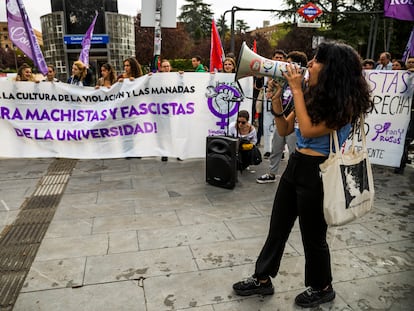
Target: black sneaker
(311, 298)
(252, 286)
(266, 178)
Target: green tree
(176, 42)
(241, 26)
(197, 17)
(352, 22)
(222, 26)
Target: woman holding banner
(132, 70)
(336, 95)
(24, 73)
(79, 72)
(108, 76)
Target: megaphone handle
(241, 89)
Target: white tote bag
(348, 184)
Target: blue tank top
(321, 144)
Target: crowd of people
(275, 146)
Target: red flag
(216, 49)
(255, 46)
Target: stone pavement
(146, 235)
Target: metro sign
(309, 11)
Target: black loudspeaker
(221, 161)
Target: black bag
(256, 156)
(249, 154)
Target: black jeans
(300, 194)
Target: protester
(165, 66)
(259, 107)
(398, 64)
(24, 73)
(78, 76)
(409, 63)
(132, 70)
(229, 65)
(384, 62)
(409, 137)
(197, 65)
(51, 74)
(337, 94)
(108, 76)
(242, 129)
(279, 141)
(368, 64)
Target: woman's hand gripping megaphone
(294, 76)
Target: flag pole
(157, 36)
(86, 42)
(38, 58)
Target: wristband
(277, 115)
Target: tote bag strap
(334, 137)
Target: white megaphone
(251, 64)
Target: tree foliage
(241, 26)
(222, 26)
(176, 42)
(197, 17)
(11, 59)
(352, 22)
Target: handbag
(256, 156)
(348, 185)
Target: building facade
(72, 18)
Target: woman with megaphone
(336, 95)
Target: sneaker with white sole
(266, 178)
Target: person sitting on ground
(248, 138)
(79, 72)
(108, 77)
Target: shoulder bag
(348, 184)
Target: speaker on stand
(221, 161)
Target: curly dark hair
(342, 93)
(136, 70)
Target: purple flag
(409, 49)
(86, 42)
(22, 35)
(399, 9)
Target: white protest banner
(386, 127)
(164, 114)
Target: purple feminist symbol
(224, 103)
